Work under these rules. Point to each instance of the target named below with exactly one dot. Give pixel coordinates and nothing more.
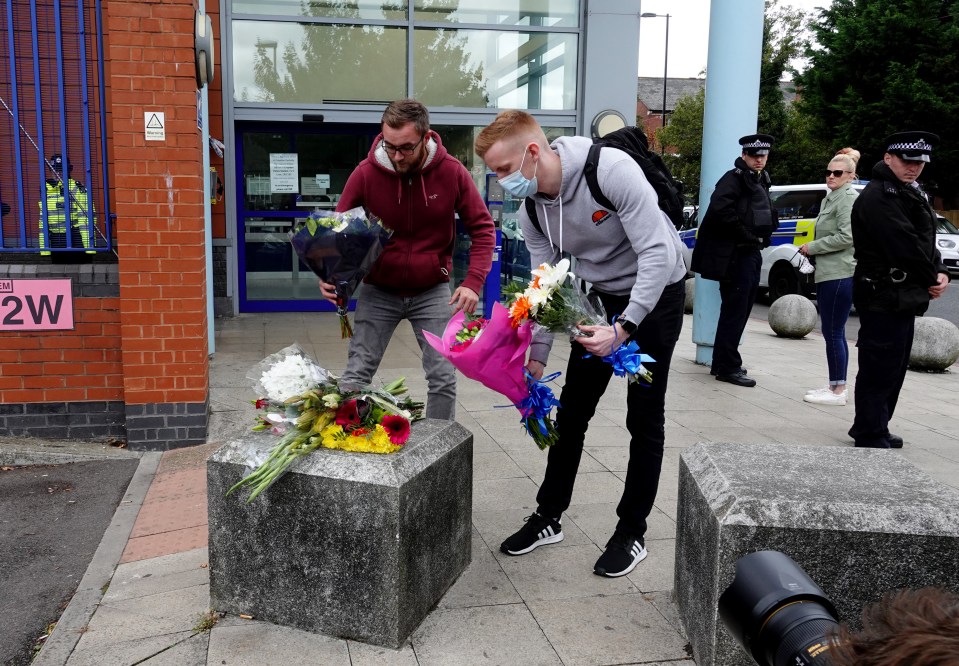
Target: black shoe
(738, 378)
(623, 553)
(713, 372)
(895, 441)
(538, 531)
(881, 443)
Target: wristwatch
(626, 324)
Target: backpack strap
(592, 181)
(531, 211)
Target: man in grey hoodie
(632, 258)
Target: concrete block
(860, 522)
(935, 346)
(352, 545)
(792, 316)
(690, 296)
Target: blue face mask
(519, 185)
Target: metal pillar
(732, 105)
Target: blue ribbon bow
(540, 401)
(627, 361)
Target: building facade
(293, 105)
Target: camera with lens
(777, 613)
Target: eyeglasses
(402, 150)
(835, 173)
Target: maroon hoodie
(420, 208)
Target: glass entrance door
(285, 171)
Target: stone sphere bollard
(690, 295)
(935, 346)
(792, 316)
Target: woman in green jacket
(834, 268)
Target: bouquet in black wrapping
(341, 249)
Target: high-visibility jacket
(82, 211)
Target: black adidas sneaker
(623, 553)
(538, 531)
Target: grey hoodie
(634, 250)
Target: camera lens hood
(763, 583)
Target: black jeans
(885, 342)
(738, 293)
(586, 381)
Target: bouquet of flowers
(553, 302)
(495, 356)
(341, 249)
(304, 405)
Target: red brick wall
(159, 203)
(66, 366)
(137, 361)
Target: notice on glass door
(284, 173)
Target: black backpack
(631, 141)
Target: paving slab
(144, 578)
(255, 643)
(483, 583)
(618, 629)
(362, 654)
(655, 573)
(561, 573)
(484, 635)
(94, 652)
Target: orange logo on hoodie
(600, 216)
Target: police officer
(58, 192)
(738, 224)
(898, 270)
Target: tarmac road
(52, 518)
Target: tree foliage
(685, 133)
(882, 66)
(799, 154)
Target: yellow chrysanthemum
(377, 441)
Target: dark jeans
(885, 341)
(586, 381)
(835, 301)
(738, 293)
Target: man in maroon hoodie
(410, 182)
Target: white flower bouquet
(304, 404)
(553, 302)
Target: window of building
(551, 13)
(291, 63)
(335, 9)
(487, 68)
(507, 53)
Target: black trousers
(738, 293)
(586, 381)
(885, 342)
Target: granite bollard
(690, 301)
(353, 545)
(792, 316)
(860, 522)
(935, 345)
